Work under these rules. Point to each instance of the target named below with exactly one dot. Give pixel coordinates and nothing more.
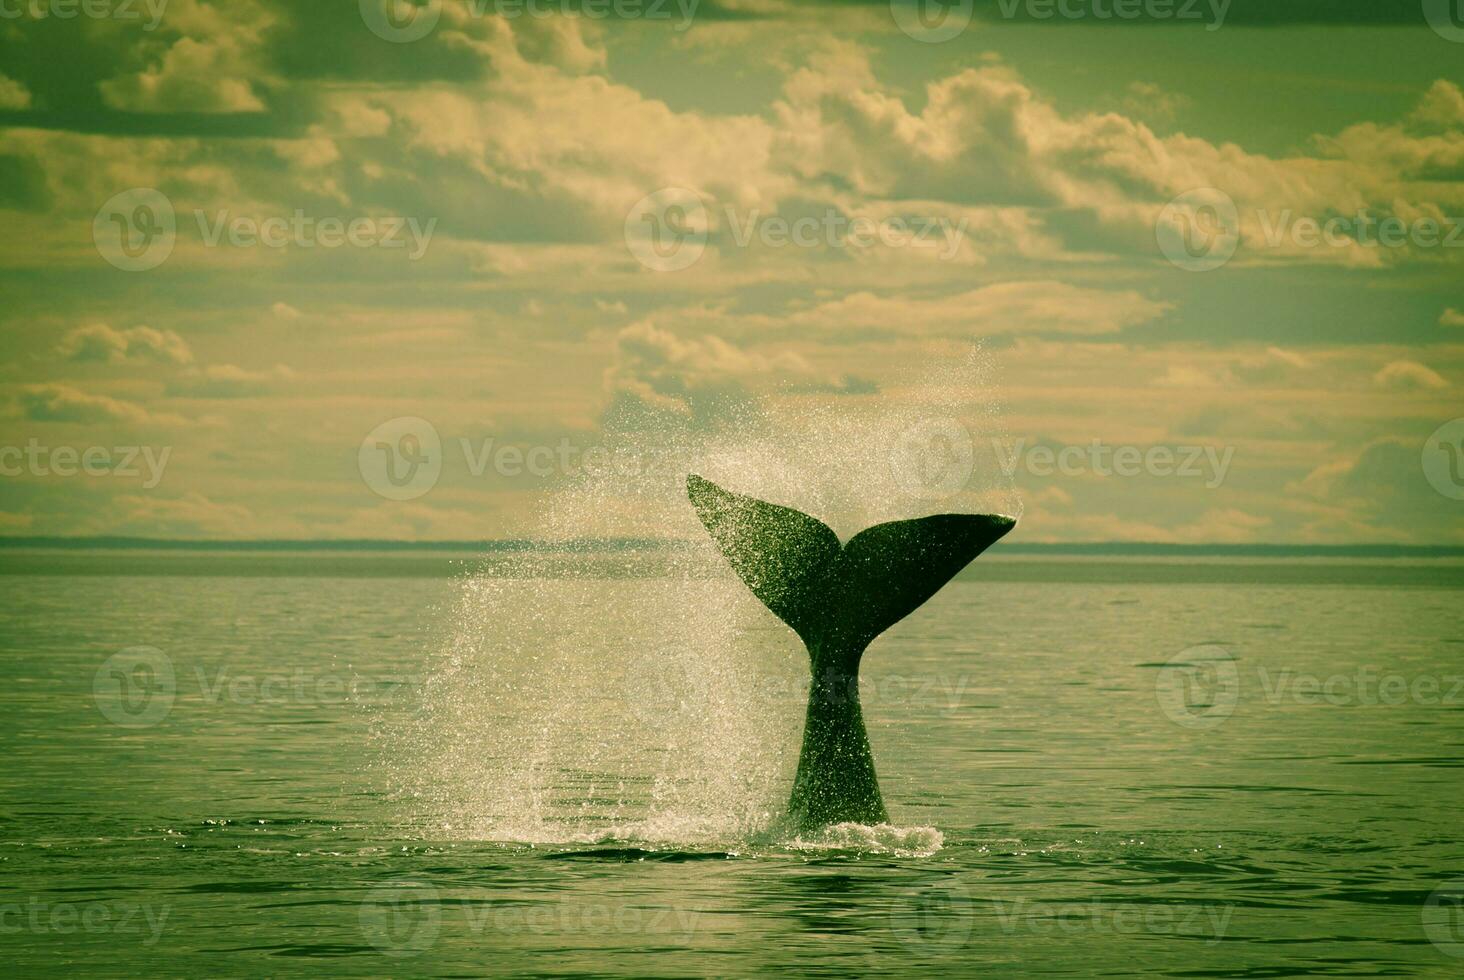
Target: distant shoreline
(611, 545)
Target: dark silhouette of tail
(838, 598)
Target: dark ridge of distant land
(1097, 549)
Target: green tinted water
(1089, 774)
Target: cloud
(62, 403)
(1378, 492)
(100, 342)
(1044, 306)
(213, 67)
(191, 514)
(1409, 376)
(229, 381)
(657, 376)
(13, 95)
(1145, 100)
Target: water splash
(585, 700)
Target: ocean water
(244, 765)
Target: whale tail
(832, 595)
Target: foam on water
(568, 708)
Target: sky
(270, 267)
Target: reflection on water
(319, 788)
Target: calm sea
(366, 765)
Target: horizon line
(1156, 548)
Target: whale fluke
(838, 599)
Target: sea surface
(390, 765)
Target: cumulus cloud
(100, 342)
(212, 66)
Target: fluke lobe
(838, 598)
